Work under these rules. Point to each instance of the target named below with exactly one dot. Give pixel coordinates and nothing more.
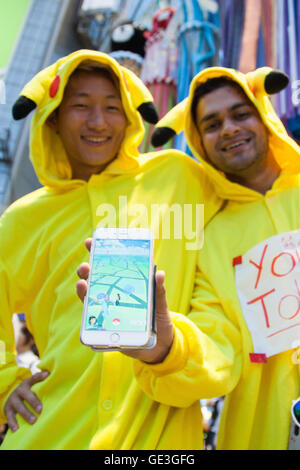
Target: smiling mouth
(236, 145)
(93, 140)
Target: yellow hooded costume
(93, 400)
(235, 339)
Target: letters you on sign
(268, 286)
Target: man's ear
(52, 121)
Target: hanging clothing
(232, 14)
(160, 65)
(268, 18)
(198, 44)
(249, 47)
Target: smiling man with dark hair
(234, 138)
(84, 146)
(246, 292)
(90, 144)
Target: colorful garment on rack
(159, 67)
(249, 49)
(198, 44)
(232, 14)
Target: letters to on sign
(268, 286)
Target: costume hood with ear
(257, 85)
(44, 94)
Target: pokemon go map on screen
(118, 292)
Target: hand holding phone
(164, 325)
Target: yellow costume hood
(257, 85)
(45, 92)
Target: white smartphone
(119, 306)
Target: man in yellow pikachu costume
(84, 141)
(246, 298)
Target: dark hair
(100, 70)
(209, 86)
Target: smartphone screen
(118, 288)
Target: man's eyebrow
(210, 116)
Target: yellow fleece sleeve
(10, 373)
(205, 358)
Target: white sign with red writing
(268, 286)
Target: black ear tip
(276, 81)
(161, 136)
(148, 112)
(22, 107)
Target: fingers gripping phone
(119, 306)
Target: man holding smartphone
(84, 143)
